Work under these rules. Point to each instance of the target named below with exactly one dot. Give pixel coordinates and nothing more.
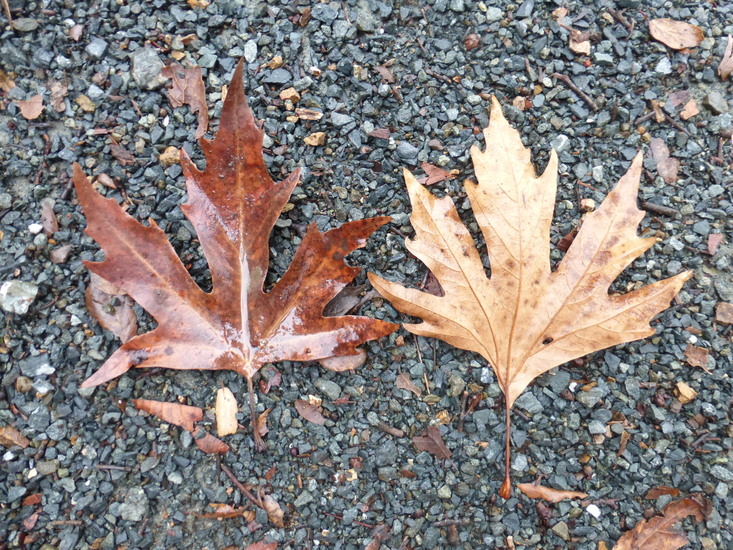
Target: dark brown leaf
(386, 74)
(187, 87)
(111, 308)
(123, 156)
(309, 412)
(656, 492)
(48, 217)
(658, 533)
(432, 442)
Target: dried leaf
(174, 413)
(261, 424)
(123, 156)
(262, 546)
(657, 533)
(208, 443)
(724, 313)
(667, 166)
(527, 318)
(48, 217)
(226, 412)
(111, 308)
(30, 522)
(309, 412)
(656, 492)
(386, 74)
(31, 108)
(432, 442)
(227, 511)
(308, 114)
(677, 35)
(546, 493)
(233, 205)
(689, 110)
(10, 437)
(684, 393)
(434, 174)
(6, 83)
(725, 68)
(59, 89)
(187, 88)
(714, 240)
(679, 97)
(403, 382)
(696, 356)
(274, 513)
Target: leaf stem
(259, 443)
(506, 487)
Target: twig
(676, 124)
(629, 25)
(580, 93)
(65, 522)
(238, 484)
(386, 428)
(644, 118)
(659, 209)
(449, 522)
(114, 467)
(7, 12)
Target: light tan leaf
(309, 412)
(403, 382)
(547, 493)
(689, 110)
(657, 533)
(226, 412)
(10, 436)
(173, 413)
(667, 166)
(724, 313)
(725, 68)
(31, 108)
(526, 318)
(696, 356)
(274, 513)
(187, 88)
(111, 308)
(432, 442)
(676, 34)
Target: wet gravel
(110, 478)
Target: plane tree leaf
(526, 318)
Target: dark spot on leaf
(547, 341)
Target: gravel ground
(112, 478)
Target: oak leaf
(725, 68)
(233, 205)
(657, 533)
(187, 87)
(526, 318)
(309, 412)
(31, 108)
(432, 442)
(677, 35)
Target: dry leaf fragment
(111, 308)
(526, 318)
(233, 205)
(59, 89)
(9, 437)
(187, 88)
(657, 533)
(262, 546)
(432, 442)
(725, 68)
(30, 522)
(386, 74)
(679, 97)
(30, 108)
(532, 490)
(308, 114)
(123, 156)
(689, 110)
(656, 492)
(48, 217)
(696, 356)
(315, 139)
(434, 174)
(32, 500)
(403, 382)
(226, 412)
(274, 513)
(309, 412)
(227, 511)
(174, 413)
(714, 240)
(684, 393)
(261, 424)
(724, 313)
(208, 443)
(676, 34)
(667, 166)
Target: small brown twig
(659, 209)
(580, 93)
(238, 484)
(676, 124)
(449, 522)
(644, 118)
(6, 6)
(391, 430)
(629, 25)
